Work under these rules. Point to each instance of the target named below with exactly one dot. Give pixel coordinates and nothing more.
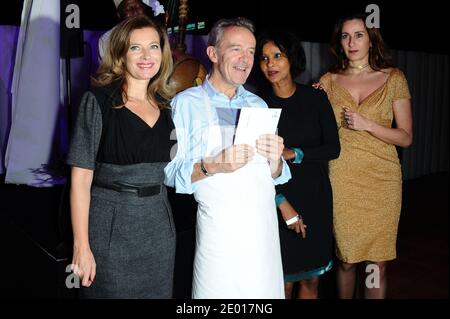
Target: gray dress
(132, 235)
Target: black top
(117, 135)
(307, 122)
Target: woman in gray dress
(124, 236)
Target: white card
(256, 121)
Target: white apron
(237, 245)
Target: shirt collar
(211, 91)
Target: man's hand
(229, 159)
(270, 146)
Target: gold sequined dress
(366, 178)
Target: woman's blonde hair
(113, 67)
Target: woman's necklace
(359, 67)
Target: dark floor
(421, 269)
(35, 243)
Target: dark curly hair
(289, 44)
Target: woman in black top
(124, 237)
(308, 128)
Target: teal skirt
(305, 275)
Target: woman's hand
(317, 86)
(288, 212)
(288, 154)
(355, 121)
(83, 265)
(299, 227)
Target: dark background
(405, 25)
(34, 222)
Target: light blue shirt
(191, 122)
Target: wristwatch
(203, 168)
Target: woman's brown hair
(379, 55)
(113, 67)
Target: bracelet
(292, 220)
(298, 155)
(279, 199)
(203, 168)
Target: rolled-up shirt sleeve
(285, 174)
(179, 171)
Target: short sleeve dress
(366, 178)
(131, 235)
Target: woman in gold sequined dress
(367, 94)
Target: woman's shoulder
(329, 77)
(392, 72)
(399, 83)
(107, 90)
(395, 75)
(107, 95)
(326, 77)
(326, 80)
